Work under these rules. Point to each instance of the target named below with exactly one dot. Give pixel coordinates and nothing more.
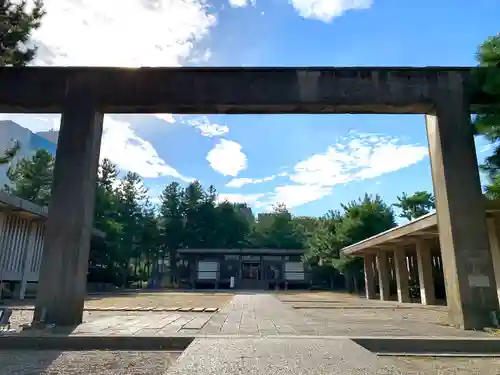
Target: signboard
(207, 270)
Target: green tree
(364, 218)
(418, 204)
(132, 195)
(487, 123)
(171, 222)
(232, 226)
(31, 179)
(278, 230)
(356, 221)
(361, 219)
(10, 153)
(150, 247)
(323, 244)
(17, 22)
(193, 198)
(104, 260)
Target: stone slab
(211, 309)
(81, 342)
(274, 356)
(197, 323)
(430, 345)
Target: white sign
(207, 270)
(231, 282)
(479, 281)
(294, 267)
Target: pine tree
(17, 22)
(31, 179)
(10, 153)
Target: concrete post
(468, 271)
(425, 276)
(63, 273)
(493, 233)
(369, 277)
(384, 277)
(402, 275)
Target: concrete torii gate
(83, 95)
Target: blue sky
(312, 163)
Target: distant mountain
(50, 135)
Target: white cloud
(239, 182)
(326, 10)
(168, 117)
(241, 3)
(206, 128)
(362, 157)
(128, 33)
(119, 143)
(357, 157)
(295, 195)
(123, 147)
(251, 199)
(227, 158)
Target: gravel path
(84, 363)
(438, 366)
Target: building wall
(217, 269)
(30, 142)
(21, 247)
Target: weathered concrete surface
(274, 356)
(265, 315)
(299, 355)
(236, 90)
(29, 362)
(123, 323)
(62, 282)
(428, 346)
(61, 342)
(467, 263)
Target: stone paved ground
(146, 301)
(239, 337)
(264, 315)
(117, 323)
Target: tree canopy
(418, 204)
(487, 123)
(140, 233)
(10, 153)
(31, 179)
(17, 22)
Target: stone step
(130, 309)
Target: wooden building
(257, 269)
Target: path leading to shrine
(254, 333)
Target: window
(231, 257)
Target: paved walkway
(261, 315)
(260, 334)
(266, 315)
